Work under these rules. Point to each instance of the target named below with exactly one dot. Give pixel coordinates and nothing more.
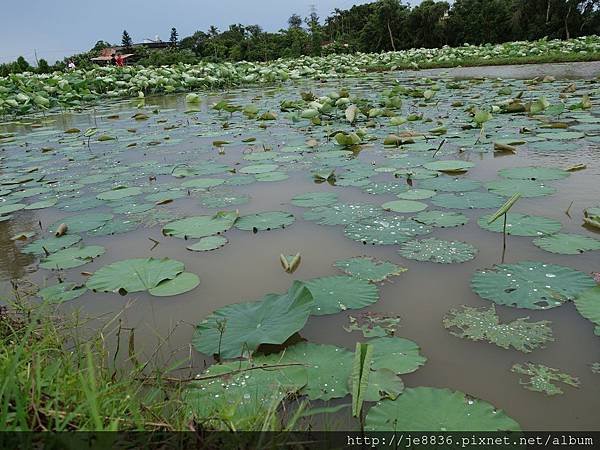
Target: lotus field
(27, 93)
(388, 252)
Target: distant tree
(312, 21)
(100, 45)
(174, 37)
(126, 40)
(43, 66)
(22, 65)
(213, 31)
(295, 21)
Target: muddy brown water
(248, 267)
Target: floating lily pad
(243, 392)
(385, 230)
(369, 269)
(567, 244)
(114, 227)
(208, 243)
(339, 293)
(438, 251)
(14, 207)
(84, 222)
(399, 355)
(449, 184)
(468, 200)
(259, 168)
(134, 275)
(416, 194)
(271, 320)
(328, 368)
(521, 225)
(479, 324)
(542, 378)
(72, 257)
(374, 324)
(385, 187)
(200, 226)
(527, 188)
(265, 221)
(182, 283)
(61, 292)
(314, 199)
(202, 183)
(530, 284)
(342, 214)
(404, 206)
(449, 166)
(588, 305)
(534, 173)
(52, 244)
(441, 219)
(43, 204)
(119, 193)
(432, 409)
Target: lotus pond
(188, 212)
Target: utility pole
(37, 63)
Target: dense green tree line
(383, 25)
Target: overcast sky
(58, 28)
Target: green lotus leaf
(208, 243)
(271, 320)
(433, 409)
(449, 166)
(567, 244)
(369, 269)
(202, 183)
(314, 199)
(449, 184)
(69, 258)
(588, 305)
(119, 193)
(61, 292)
(134, 275)
(51, 244)
(7, 209)
(468, 200)
(339, 293)
(200, 226)
(258, 168)
(438, 251)
(83, 222)
(181, 284)
(399, 355)
(527, 188)
(521, 225)
(479, 324)
(530, 284)
(342, 214)
(265, 221)
(534, 173)
(416, 194)
(385, 230)
(404, 206)
(441, 219)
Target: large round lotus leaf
(385, 187)
(416, 194)
(72, 257)
(61, 292)
(396, 354)
(385, 230)
(271, 320)
(468, 200)
(328, 368)
(200, 226)
(133, 208)
(417, 173)
(83, 222)
(562, 135)
(272, 176)
(404, 206)
(369, 269)
(114, 227)
(527, 188)
(161, 197)
(80, 204)
(7, 209)
(182, 283)
(314, 199)
(119, 193)
(534, 173)
(521, 225)
(243, 392)
(530, 284)
(42, 204)
(208, 243)
(433, 409)
(342, 214)
(449, 184)
(202, 183)
(588, 305)
(450, 166)
(51, 244)
(258, 168)
(382, 383)
(339, 293)
(134, 275)
(265, 221)
(442, 219)
(438, 251)
(567, 244)
(224, 200)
